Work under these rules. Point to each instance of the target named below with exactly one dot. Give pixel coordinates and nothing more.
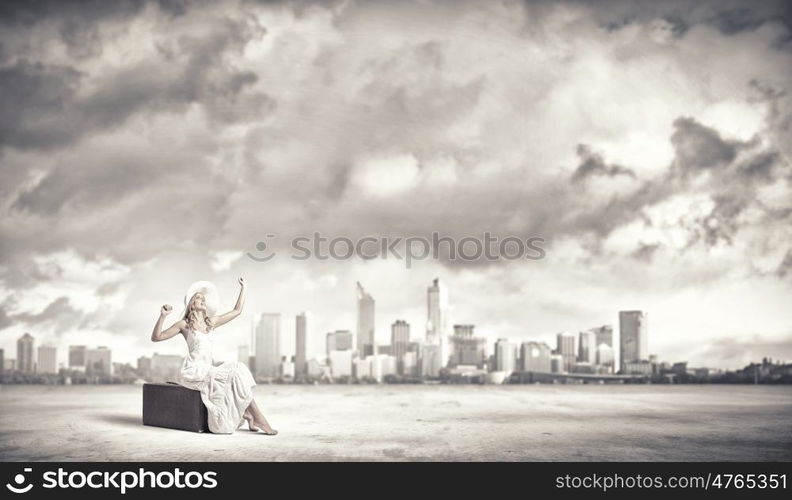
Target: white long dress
(226, 390)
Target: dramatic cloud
(59, 313)
(593, 164)
(145, 145)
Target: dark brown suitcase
(175, 407)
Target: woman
(226, 390)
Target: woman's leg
(257, 419)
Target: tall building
(2, 361)
(604, 335)
(365, 322)
(505, 356)
(25, 345)
(98, 361)
(339, 340)
(536, 357)
(565, 346)
(268, 354)
(438, 322)
(634, 337)
(47, 359)
(301, 347)
(400, 342)
(467, 349)
(587, 347)
(77, 357)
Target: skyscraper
(505, 356)
(587, 347)
(47, 359)
(339, 340)
(2, 361)
(437, 318)
(77, 357)
(535, 357)
(634, 337)
(365, 322)
(565, 347)
(268, 355)
(25, 353)
(300, 359)
(400, 340)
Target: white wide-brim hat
(211, 297)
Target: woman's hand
(242, 282)
(158, 334)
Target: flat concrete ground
(451, 423)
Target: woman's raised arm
(222, 319)
(158, 335)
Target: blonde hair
(191, 315)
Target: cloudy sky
(145, 145)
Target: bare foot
(266, 429)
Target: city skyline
(592, 346)
(530, 361)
